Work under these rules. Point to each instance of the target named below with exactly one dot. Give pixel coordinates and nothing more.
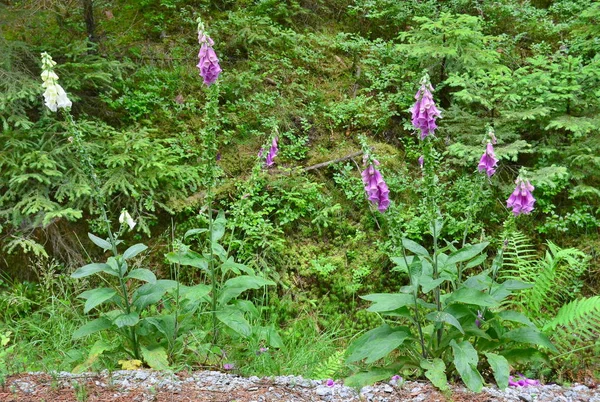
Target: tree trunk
(88, 16)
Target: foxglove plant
(208, 62)
(272, 152)
(376, 188)
(488, 161)
(521, 200)
(424, 111)
(55, 96)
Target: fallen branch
(323, 164)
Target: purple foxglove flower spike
(424, 111)
(488, 161)
(272, 152)
(209, 63)
(375, 187)
(478, 319)
(421, 161)
(521, 201)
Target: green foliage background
(319, 73)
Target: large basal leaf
(134, 250)
(99, 324)
(529, 335)
(364, 378)
(165, 324)
(388, 301)
(189, 258)
(127, 320)
(95, 297)
(236, 286)
(235, 320)
(435, 371)
(91, 269)
(151, 293)
(500, 367)
(155, 357)
(472, 296)
(465, 361)
(466, 253)
(142, 274)
(444, 317)
(415, 247)
(377, 343)
(96, 351)
(103, 244)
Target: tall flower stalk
(56, 98)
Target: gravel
(149, 386)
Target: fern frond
(576, 323)
(328, 368)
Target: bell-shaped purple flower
(375, 186)
(488, 161)
(421, 161)
(272, 153)
(209, 63)
(424, 111)
(521, 201)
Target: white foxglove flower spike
(126, 218)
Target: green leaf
(103, 244)
(525, 356)
(193, 232)
(91, 269)
(127, 320)
(165, 324)
(435, 371)
(194, 293)
(515, 316)
(134, 250)
(96, 297)
(155, 357)
(428, 284)
(235, 320)
(529, 335)
(401, 263)
(273, 337)
(500, 367)
(142, 274)
(96, 351)
(465, 361)
(513, 284)
(388, 301)
(363, 378)
(190, 258)
(151, 293)
(377, 343)
(218, 227)
(415, 247)
(236, 286)
(472, 296)
(99, 324)
(444, 317)
(466, 253)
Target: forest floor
(147, 386)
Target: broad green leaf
(444, 317)
(435, 371)
(134, 250)
(465, 361)
(514, 316)
(190, 258)
(165, 324)
(95, 297)
(476, 261)
(377, 343)
(194, 293)
(513, 284)
(193, 232)
(236, 286)
(500, 367)
(155, 357)
(218, 227)
(436, 226)
(364, 378)
(273, 337)
(151, 293)
(529, 335)
(235, 320)
(219, 251)
(99, 324)
(96, 351)
(142, 274)
(428, 284)
(91, 269)
(401, 263)
(237, 268)
(472, 296)
(103, 244)
(466, 253)
(525, 356)
(388, 301)
(127, 320)
(415, 247)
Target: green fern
(576, 325)
(328, 368)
